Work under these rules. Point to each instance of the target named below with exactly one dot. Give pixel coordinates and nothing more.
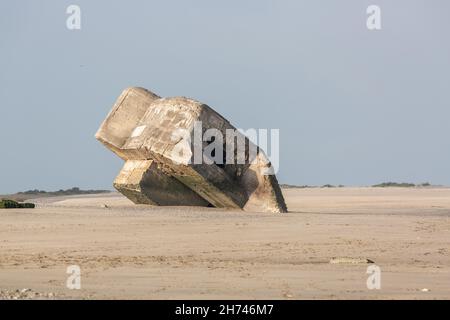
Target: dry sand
(128, 251)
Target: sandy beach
(138, 252)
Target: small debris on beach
(348, 260)
(24, 294)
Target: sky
(353, 106)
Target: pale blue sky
(353, 106)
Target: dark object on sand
(10, 204)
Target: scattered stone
(25, 294)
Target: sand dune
(128, 251)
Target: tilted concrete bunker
(153, 136)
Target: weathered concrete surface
(142, 126)
(123, 119)
(142, 182)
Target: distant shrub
(11, 204)
(27, 205)
(7, 204)
(394, 184)
(61, 192)
(292, 186)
